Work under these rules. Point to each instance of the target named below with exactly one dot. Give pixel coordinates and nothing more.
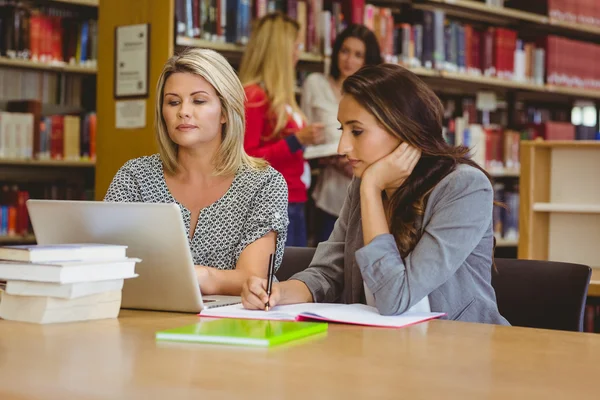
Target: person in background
(355, 47)
(275, 126)
(234, 206)
(415, 232)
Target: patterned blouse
(255, 204)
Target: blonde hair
(215, 69)
(268, 61)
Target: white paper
(358, 314)
(131, 72)
(486, 101)
(130, 114)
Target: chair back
(295, 259)
(542, 294)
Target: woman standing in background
(276, 129)
(355, 47)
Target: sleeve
(124, 186)
(461, 213)
(268, 213)
(325, 275)
(257, 108)
(306, 101)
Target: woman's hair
(364, 34)
(408, 109)
(215, 69)
(268, 61)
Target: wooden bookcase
(560, 202)
(31, 173)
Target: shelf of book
(504, 173)
(89, 3)
(477, 10)
(486, 81)
(16, 239)
(74, 69)
(235, 48)
(567, 208)
(49, 163)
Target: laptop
(153, 232)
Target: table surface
(120, 359)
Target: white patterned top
(254, 204)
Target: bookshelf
(47, 103)
(47, 163)
(224, 47)
(28, 64)
(560, 202)
(473, 9)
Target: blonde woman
(275, 127)
(234, 206)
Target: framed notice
(132, 56)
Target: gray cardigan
(451, 263)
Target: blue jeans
(296, 233)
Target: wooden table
(119, 359)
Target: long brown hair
(408, 109)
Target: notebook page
(284, 313)
(361, 314)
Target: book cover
(243, 332)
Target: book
(355, 314)
(68, 271)
(62, 252)
(243, 332)
(45, 310)
(321, 150)
(63, 291)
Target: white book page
(361, 314)
(287, 312)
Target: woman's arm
(461, 212)
(321, 282)
(254, 261)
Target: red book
(12, 220)
(57, 138)
(468, 47)
(22, 215)
(354, 11)
(56, 41)
(92, 128)
(35, 36)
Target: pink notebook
(356, 314)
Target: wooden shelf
(506, 243)
(482, 8)
(594, 287)
(74, 69)
(48, 163)
(567, 208)
(89, 3)
(234, 48)
(28, 239)
(476, 10)
(504, 173)
(594, 144)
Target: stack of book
(63, 283)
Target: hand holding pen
(270, 279)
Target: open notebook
(357, 314)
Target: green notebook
(243, 332)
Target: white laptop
(153, 232)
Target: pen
(270, 279)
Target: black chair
(542, 294)
(295, 259)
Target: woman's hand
(391, 171)
(311, 134)
(254, 294)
